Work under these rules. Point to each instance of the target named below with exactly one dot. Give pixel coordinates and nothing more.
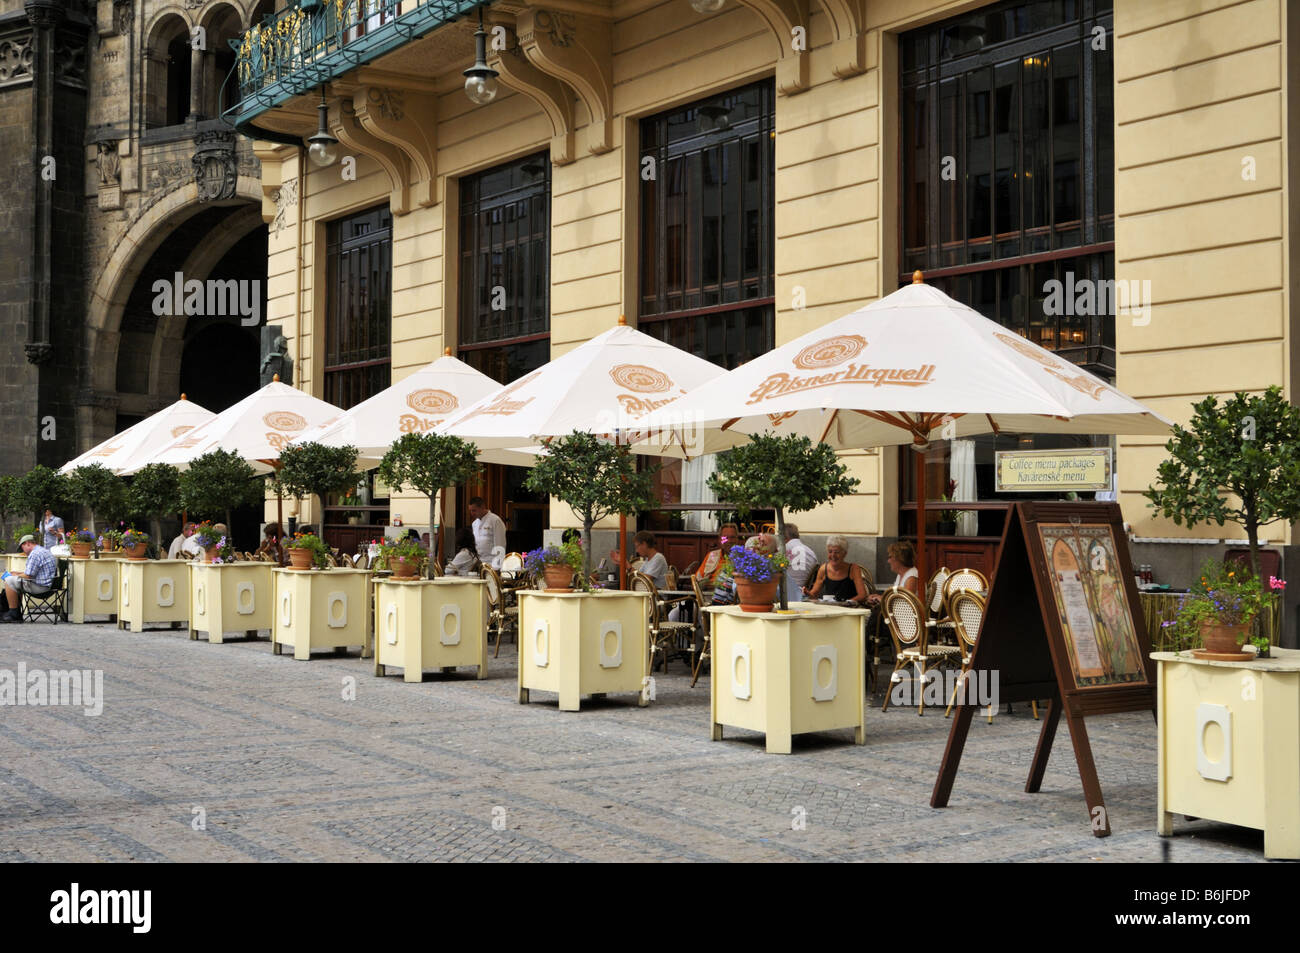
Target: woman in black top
(837, 578)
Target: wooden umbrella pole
(622, 554)
(920, 523)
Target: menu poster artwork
(1092, 604)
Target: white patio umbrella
(905, 369)
(120, 452)
(605, 386)
(257, 429)
(418, 403)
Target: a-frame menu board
(1063, 622)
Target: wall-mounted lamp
(322, 148)
(480, 79)
(707, 6)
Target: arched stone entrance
(135, 349)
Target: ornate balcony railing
(319, 40)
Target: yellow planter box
(785, 674)
(320, 610)
(1230, 745)
(230, 597)
(151, 591)
(577, 643)
(16, 562)
(440, 623)
(92, 588)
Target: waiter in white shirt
(802, 560)
(489, 533)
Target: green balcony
(304, 46)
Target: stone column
(197, 60)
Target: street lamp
(480, 79)
(322, 148)
(707, 6)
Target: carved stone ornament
(216, 167)
(109, 163)
(122, 16)
(16, 59)
(285, 198)
(45, 13)
(561, 28)
(70, 64)
(389, 102)
(38, 353)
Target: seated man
(35, 580)
(174, 551)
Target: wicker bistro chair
(671, 578)
(500, 616)
(906, 619)
(511, 565)
(664, 633)
(968, 614)
(964, 579)
(54, 604)
(705, 624)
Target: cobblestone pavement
(282, 767)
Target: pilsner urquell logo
(830, 353)
(426, 401)
(643, 380)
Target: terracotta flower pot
(403, 568)
(755, 596)
(300, 558)
(1223, 639)
(210, 553)
(82, 550)
(558, 577)
(137, 551)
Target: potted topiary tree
(429, 463)
(98, 489)
(38, 488)
(155, 492)
(308, 469)
(1237, 463)
(219, 482)
(780, 473)
(596, 479)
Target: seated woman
(652, 562)
(466, 561)
(902, 562)
(728, 536)
(271, 542)
(837, 578)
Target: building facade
(733, 178)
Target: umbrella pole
(920, 524)
(622, 554)
(279, 515)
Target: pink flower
(1276, 583)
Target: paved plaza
(267, 755)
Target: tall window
(505, 278)
(1007, 172)
(359, 306)
(1007, 165)
(707, 225)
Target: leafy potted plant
(38, 488)
(780, 473)
(429, 463)
(82, 541)
(1248, 447)
(307, 551)
(757, 577)
(596, 479)
(405, 557)
(219, 482)
(135, 543)
(314, 469)
(27, 529)
(208, 539)
(1218, 612)
(110, 540)
(556, 564)
(948, 518)
(155, 492)
(98, 489)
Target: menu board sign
(1054, 471)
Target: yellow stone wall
(1199, 87)
(1201, 213)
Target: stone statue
(275, 358)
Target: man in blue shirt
(34, 580)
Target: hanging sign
(1054, 471)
